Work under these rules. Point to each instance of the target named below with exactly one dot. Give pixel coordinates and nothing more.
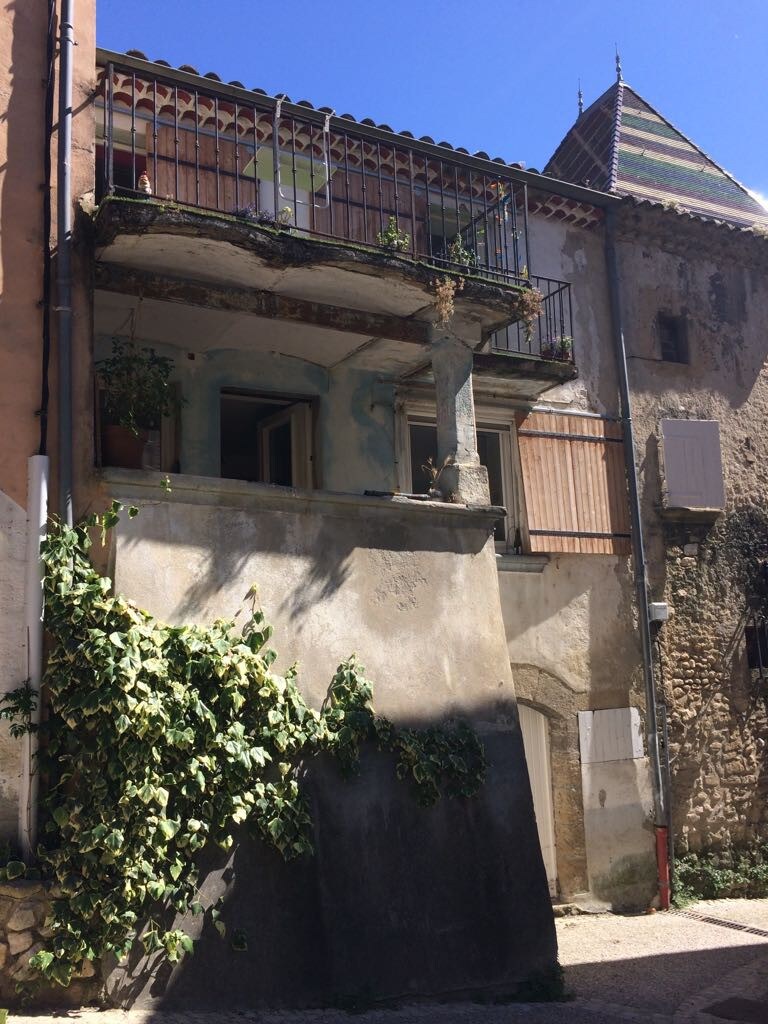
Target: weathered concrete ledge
(127, 484)
(530, 377)
(491, 302)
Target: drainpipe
(64, 261)
(38, 467)
(660, 802)
(37, 518)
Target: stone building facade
(708, 568)
(503, 588)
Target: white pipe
(37, 520)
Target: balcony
(288, 200)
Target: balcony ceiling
(198, 330)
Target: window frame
(488, 418)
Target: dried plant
(530, 303)
(445, 294)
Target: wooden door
(535, 730)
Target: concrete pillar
(462, 479)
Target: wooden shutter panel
(574, 484)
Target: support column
(461, 479)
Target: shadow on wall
(220, 545)
(398, 902)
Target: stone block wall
(718, 707)
(714, 278)
(23, 915)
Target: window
(497, 452)
(266, 438)
(673, 338)
(561, 477)
(693, 467)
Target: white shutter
(693, 467)
(611, 735)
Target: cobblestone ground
(678, 968)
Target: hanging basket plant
(137, 394)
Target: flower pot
(121, 447)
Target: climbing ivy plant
(163, 739)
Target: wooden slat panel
(229, 194)
(574, 488)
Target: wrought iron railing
(549, 334)
(180, 137)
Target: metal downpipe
(64, 261)
(660, 802)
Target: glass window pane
(489, 450)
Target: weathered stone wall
(717, 278)
(23, 913)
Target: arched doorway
(535, 729)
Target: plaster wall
(354, 427)
(571, 628)
(22, 141)
(13, 650)
(577, 256)
(618, 822)
(411, 588)
(704, 570)
(575, 620)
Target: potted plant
(457, 253)
(558, 348)
(136, 396)
(393, 238)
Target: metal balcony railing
(180, 137)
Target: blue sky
(500, 76)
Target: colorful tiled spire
(621, 144)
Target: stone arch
(552, 696)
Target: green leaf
(15, 869)
(42, 960)
(61, 816)
(169, 827)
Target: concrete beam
(113, 278)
